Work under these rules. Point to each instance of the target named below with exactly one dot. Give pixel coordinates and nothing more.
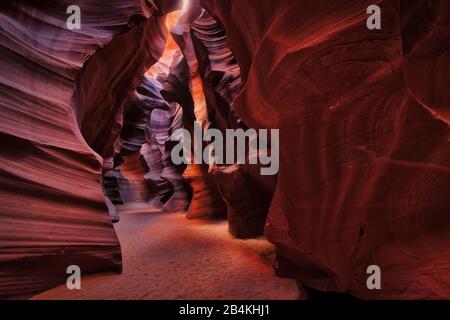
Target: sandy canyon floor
(166, 256)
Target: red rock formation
(365, 162)
(363, 118)
(132, 147)
(53, 212)
(247, 199)
(206, 199)
(426, 27)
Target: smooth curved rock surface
(363, 118)
(53, 209)
(365, 162)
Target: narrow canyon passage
(92, 174)
(166, 256)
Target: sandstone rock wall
(365, 155)
(57, 117)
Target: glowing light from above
(164, 63)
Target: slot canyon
(87, 177)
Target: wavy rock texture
(363, 118)
(219, 69)
(364, 138)
(176, 89)
(247, 199)
(53, 209)
(206, 199)
(162, 124)
(145, 99)
(148, 123)
(131, 162)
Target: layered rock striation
(61, 99)
(363, 118)
(364, 138)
